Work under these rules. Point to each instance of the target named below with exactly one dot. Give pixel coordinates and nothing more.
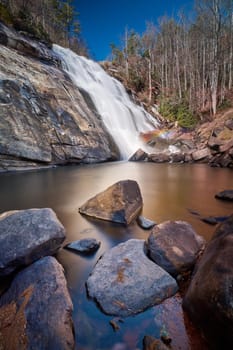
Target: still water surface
(168, 192)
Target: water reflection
(168, 192)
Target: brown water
(168, 191)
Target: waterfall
(123, 119)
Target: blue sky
(104, 21)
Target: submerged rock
(121, 203)
(86, 245)
(35, 312)
(209, 299)
(27, 235)
(174, 245)
(145, 223)
(125, 282)
(226, 195)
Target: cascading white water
(123, 119)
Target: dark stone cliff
(44, 119)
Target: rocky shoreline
(212, 144)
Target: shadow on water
(170, 192)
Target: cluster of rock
(36, 310)
(45, 119)
(137, 274)
(211, 145)
(129, 278)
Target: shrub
(5, 15)
(178, 111)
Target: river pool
(169, 191)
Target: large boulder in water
(121, 203)
(27, 235)
(209, 299)
(174, 245)
(125, 282)
(35, 312)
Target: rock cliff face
(44, 118)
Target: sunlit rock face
(121, 203)
(44, 117)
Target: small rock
(125, 282)
(226, 195)
(86, 245)
(145, 223)
(114, 324)
(210, 220)
(201, 154)
(165, 336)
(138, 156)
(121, 203)
(227, 145)
(151, 343)
(229, 124)
(177, 157)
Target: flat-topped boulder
(125, 282)
(121, 203)
(174, 245)
(27, 235)
(209, 299)
(35, 312)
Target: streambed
(169, 192)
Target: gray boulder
(125, 282)
(174, 246)
(209, 299)
(86, 245)
(121, 203)
(35, 312)
(27, 235)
